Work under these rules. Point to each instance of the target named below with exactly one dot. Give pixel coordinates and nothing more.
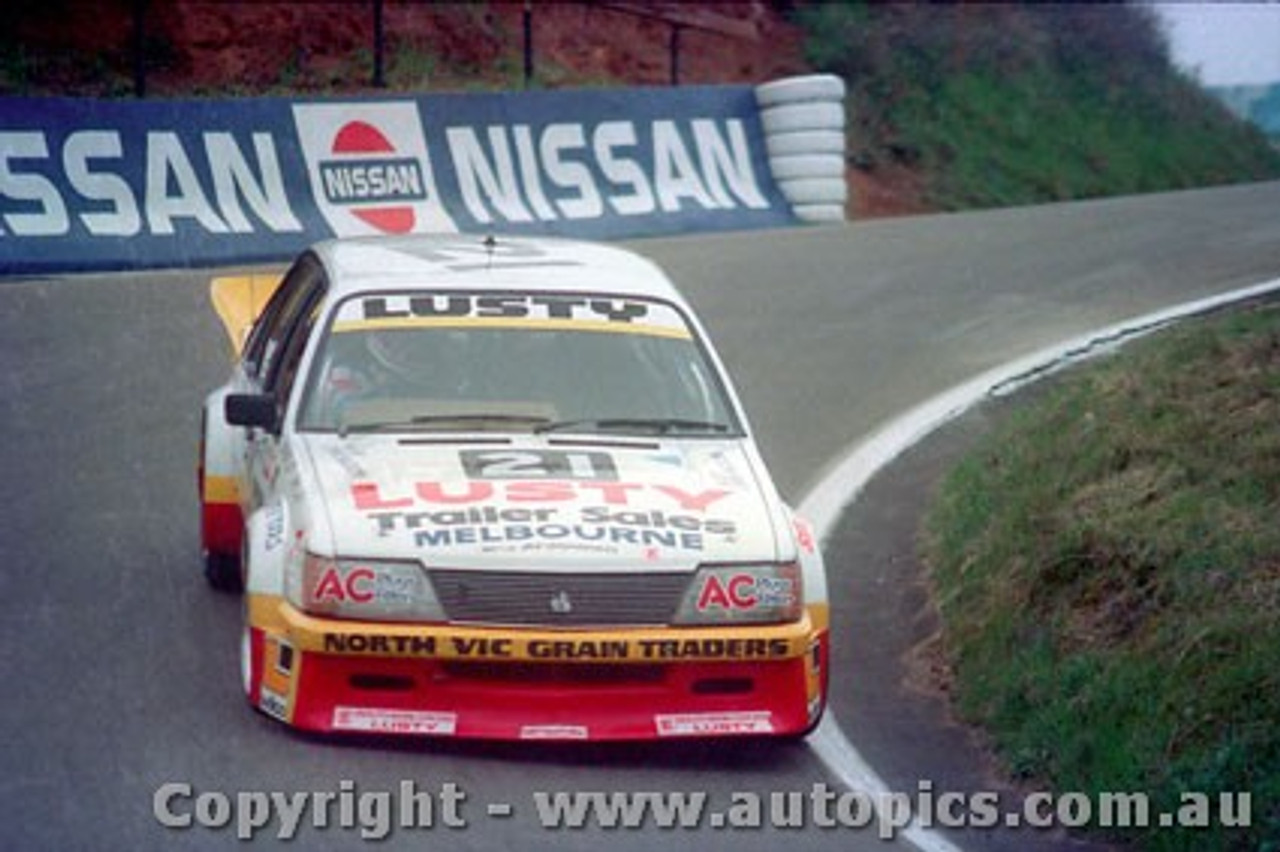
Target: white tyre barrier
(815, 190)
(807, 166)
(803, 119)
(788, 118)
(810, 87)
(805, 142)
(818, 213)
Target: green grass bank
(1107, 569)
(1004, 104)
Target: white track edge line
(845, 480)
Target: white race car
(500, 488)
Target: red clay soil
(482, 43)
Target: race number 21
(537, 464)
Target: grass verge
(1107, 567)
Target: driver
(392, 364)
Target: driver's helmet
(418, 354)
(398, 351)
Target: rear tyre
(223, 572)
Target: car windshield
(384, 366)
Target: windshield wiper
(658, 425)
(448, 422)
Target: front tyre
(223, 572)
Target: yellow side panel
(239, 299)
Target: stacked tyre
(803, 119)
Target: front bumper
(509, 683)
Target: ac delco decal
(362, 585)
(355, 585)
(744, 592)
(369, 168)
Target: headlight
(363, 589)
(742, 594)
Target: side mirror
(253, 410)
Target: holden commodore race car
(503, 489)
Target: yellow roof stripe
(606, 326)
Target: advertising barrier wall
(95, 184)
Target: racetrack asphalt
(120, 666)
(904, 728)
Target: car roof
(467, 261)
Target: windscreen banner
(105, 184)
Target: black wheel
(223, 572)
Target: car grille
(555, 600)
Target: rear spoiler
(239, 299)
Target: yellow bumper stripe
(632, 645)
(344, 326)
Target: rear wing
(238, 299)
